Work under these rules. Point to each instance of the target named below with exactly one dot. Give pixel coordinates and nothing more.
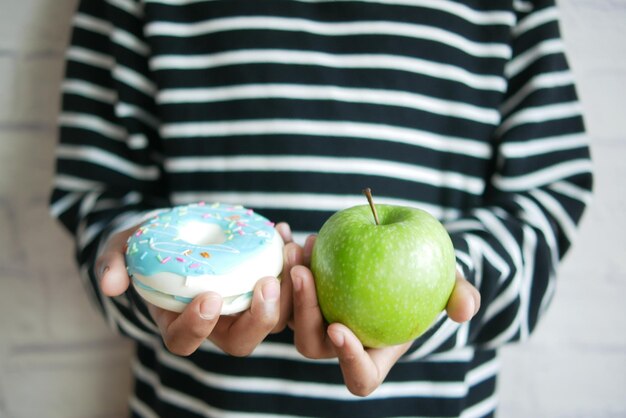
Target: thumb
(110, 267)
(464, 301)
(111, 273)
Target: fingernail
(308, 245)
(296, 282)
(271, 292)
(476, 306)
(210, 308)
(291, 256)
(286, 231)
(104, 270)
(337, 338)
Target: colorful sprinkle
(187, 258)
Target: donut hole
(202, 234)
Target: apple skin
(389, 282)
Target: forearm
(510, 244)
(107, 169)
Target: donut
(180, 252)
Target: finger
(110, 267)
(308, 323)
(239, 336)
(464, 301)
(306, 261)
(111, 272)
(360, 373)
(284, 230)
(363, 369)
(292, 256)
(183, 333)
(308, 249)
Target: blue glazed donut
(181, 252)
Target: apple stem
(368, 193)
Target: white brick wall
(575, 364)
(57, 359)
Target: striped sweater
(466, 109)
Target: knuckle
(268, 322)
(184, 353)
(308, 303)
(310, 354)
(309, 351)
(196, 334)
(305, 350)
(239, 351)
(265, 319)
(175, 348)
(302, 304)
(361, 388)
(349, 360)
(279, 327)
(268, 318)
(179, 345)
(236, 347)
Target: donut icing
(186, 250)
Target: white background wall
(57, 359)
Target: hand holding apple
(363, 369)
(386, 277)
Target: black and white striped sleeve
(511, 247)
(108, 168)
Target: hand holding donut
(200, 316)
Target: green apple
(386, 280)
